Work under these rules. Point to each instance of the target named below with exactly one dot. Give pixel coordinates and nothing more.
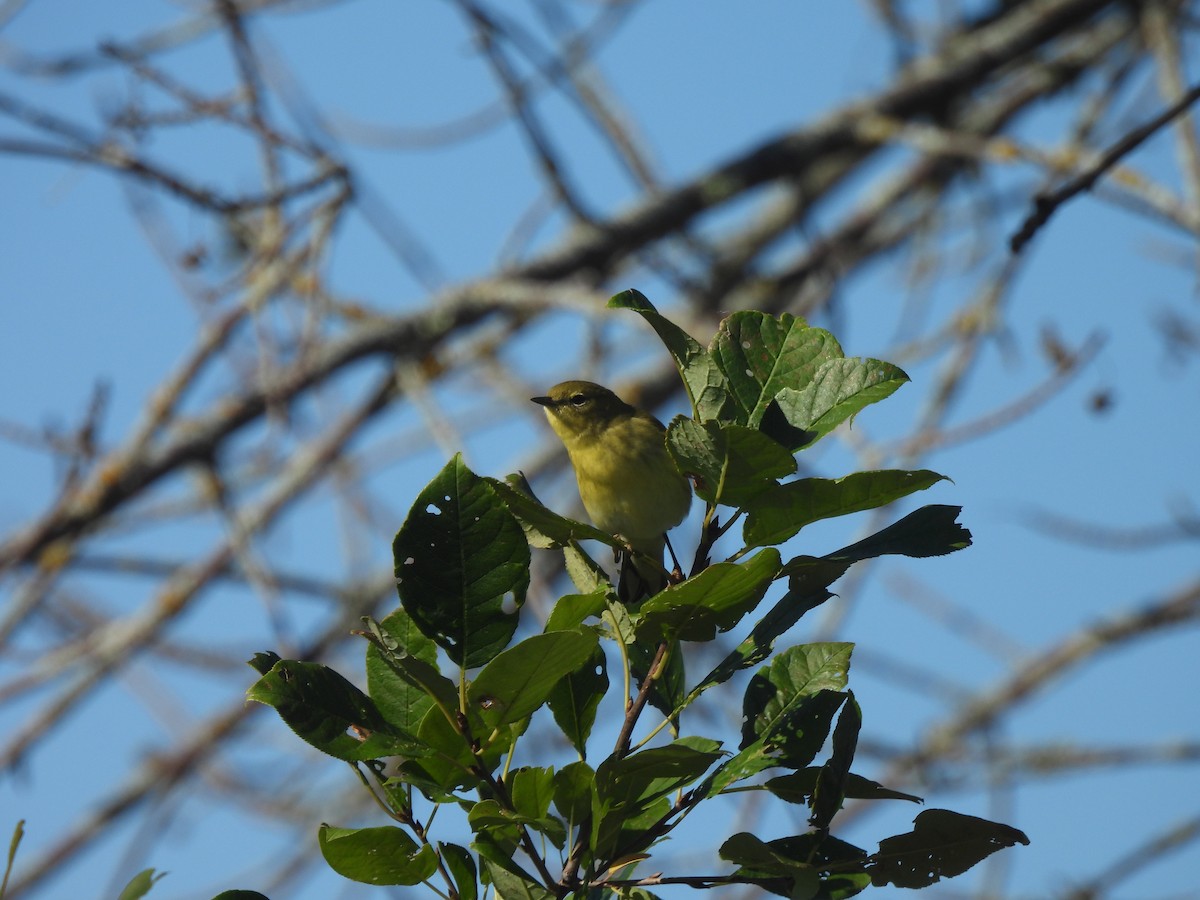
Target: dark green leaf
(942, 844)
(383, 855)
(758, 645)
(402, 675)
(701, 376)
(732, 463)
(839, 389)
(141, 883)
(716, 599)
(576, 697)
(447, 767)
(512, 885)
(462, 869)
(626, 830)
(824, 853)
(761, 355)
(929, 531)
(798, 734)
(460, 558)
(779, 513)
(574, 785)
(796, 673)
(531, 789)
(649, 774)
(262, 662)
(757, 859)
(830, 789)
(749, 761)
(321, 706)
(520, 679)
(503, 824)
(667, 691)
(797, 787)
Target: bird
(627, 480)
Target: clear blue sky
(85, 299)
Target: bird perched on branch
(627, 481)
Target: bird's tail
(641, 574)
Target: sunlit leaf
(520, 679)
(732, 463)
(779, 513)
(701, 376)
(838, 390)
(715, 600)
(383, 855)
(761, 355)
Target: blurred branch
(1045, 205)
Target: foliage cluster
(764, 389)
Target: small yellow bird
(627, 481)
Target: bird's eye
(578, 400)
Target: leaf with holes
(462, 565)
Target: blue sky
(87, 300)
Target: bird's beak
(543, 401)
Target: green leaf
(513, 886)
(702, 378)
(667, 691)
(758, 645)
(790, 704)
(779, 513)
(576, 698)
(928, 531)
(626, 831)
(830, 789)
(448, 761)
(263, 662)
(839, 389)
(543, 527)
(942, 844)
(732, 463)
(574, 786)
(585, 573)
(629, 794)
(460, 557)
(824, 853)
(716, 599)
(383, 855)
(462, 869)
(758, 858)
(521, 679)
(570, 611)
(761, 355)
(749, 761)
(634, 780)
(531, 789)
(321, 706)
(793, 675)
(141, 883)
(402, 675)
(797, 787)
(503, 824)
